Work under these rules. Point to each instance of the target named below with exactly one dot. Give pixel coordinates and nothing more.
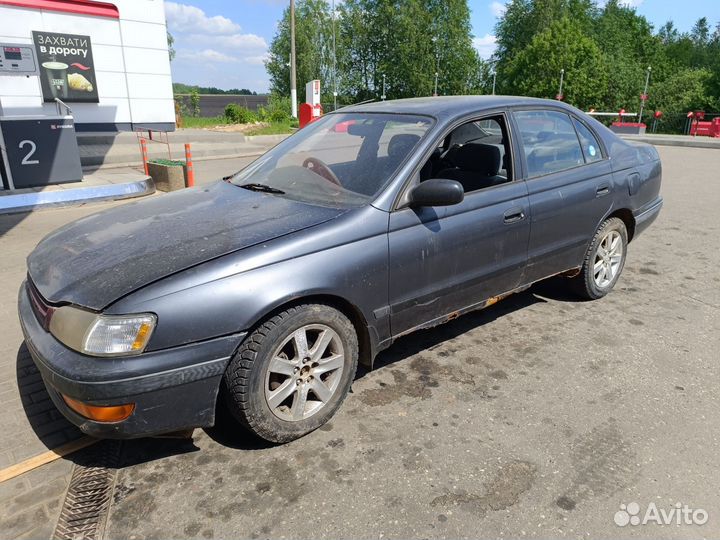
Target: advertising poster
(66, 67)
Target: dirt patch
(502, 492)
(424, 375)
(603, 463)
(239, 128)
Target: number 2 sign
(26, 160)
(39, 151)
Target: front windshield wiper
(263, 188)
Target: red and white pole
(189, 165)
(143, 148)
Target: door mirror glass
(437, 192)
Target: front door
(444, 259)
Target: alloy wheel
(304, 372)
(608, 259)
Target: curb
(688, 142)
(137, 163)
(128, 153)
(24, 202)
(96, 160)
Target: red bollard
(143, 148)
(189, 165)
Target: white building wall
(131, 60)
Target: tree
(524, 19)
(668, 33)
(685, 90)
(194, 103)
(535, 70)
(171, 48)
(408, 41)
(461, 69)
(605, 49)
(630, 47)
(700, 32)
(404, 40)
(313, 46)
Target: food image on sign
(79, 83)
(66, 67)
(56, 77)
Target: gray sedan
(261, 293)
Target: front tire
(292, 373)
(604, 260)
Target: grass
(275, 128)
(201, 122)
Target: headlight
(102, 335)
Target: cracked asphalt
(536, 417)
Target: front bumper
(172, 389)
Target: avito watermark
(679, 514)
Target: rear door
(569, 181)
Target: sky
(223, 43)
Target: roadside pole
(293, 75)
(190, 181)
(644, 95)
(144, 151)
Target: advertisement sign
(67, 70)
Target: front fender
(345, 258)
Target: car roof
(449, 106)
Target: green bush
(277, 110)
(237, 114)
(195, 103)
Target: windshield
(343, 159)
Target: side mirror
(437, 192)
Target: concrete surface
(97, 185)
(122, 149)
(537, 417)
(685, 141)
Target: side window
(588, 141)
(549, 142)
(476, 154)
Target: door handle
(514, 215)
(602, 190)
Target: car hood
(96, 260)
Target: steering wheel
(320, 168)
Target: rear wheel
(604, 260)
(293, 372)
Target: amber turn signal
(113, 413)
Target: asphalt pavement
(540, 416)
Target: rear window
(590, 146)
(549, 142)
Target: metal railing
(667, 124)
(58, 103)
(675, 124)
